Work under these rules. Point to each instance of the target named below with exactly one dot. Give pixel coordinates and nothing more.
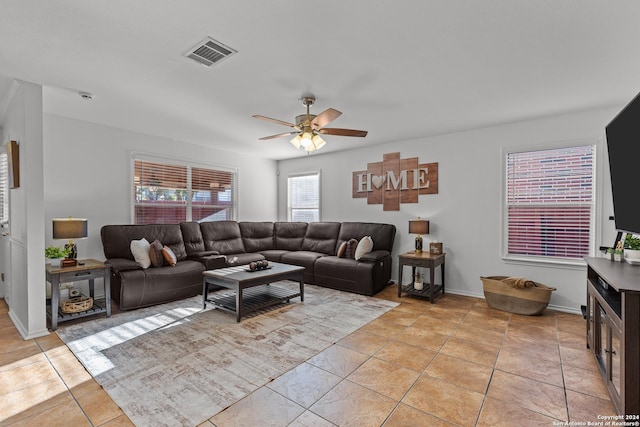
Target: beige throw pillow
(364, 247)
(140, 251)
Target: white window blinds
(4, 188)
(550, 202)
(304, 197)
(170, 193)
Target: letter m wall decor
(394, 180)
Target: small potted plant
(55, 254)
(417, 282)
(632, 247)
(616, 253)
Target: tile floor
(454, 363)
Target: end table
(424, 260)
(87, 269)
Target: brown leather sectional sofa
(209, 245)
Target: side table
(89, 270)
(424, 260)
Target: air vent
(209, 52)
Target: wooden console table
(613, 329)
(424, 260)
(90, 270)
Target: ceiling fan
(308, 127)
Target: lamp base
(73, 250)
(418, 244)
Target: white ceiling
(399, 69)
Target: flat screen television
(623, 145)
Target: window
(4, 188)
(304, 197)
(167, 191)
(550, 203)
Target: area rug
(178, 364)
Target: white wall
(87, 174)
(25, 290)
(466, 213)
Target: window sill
(573, 264)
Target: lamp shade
(418, 226)
(70, 228)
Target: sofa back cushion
(257, 236)
(383, 235)
(192, 236)
(288, 236)
(222, 236)
(321, 237)
(116, 239)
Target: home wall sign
(394, 180)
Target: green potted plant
(55, 254)
(632, 247)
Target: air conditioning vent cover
(209, 52)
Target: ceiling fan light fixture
(306, 139)
(296, 141)
(318, 142)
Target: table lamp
(70, 228)
(418, 226)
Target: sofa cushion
(192, 237)
(242, 259)
(116, 239)
(222, 236)
(321, 237)
(288, 236)
(155, 253)
(274, 254)
(383, 235)
(365, 245)
(140, 252)
(304, 259)
(257, 236)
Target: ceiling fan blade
(324, 118)
(343, 132)
(269, 119)
(280, 135)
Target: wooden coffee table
(253, 290)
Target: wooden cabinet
(613, 329)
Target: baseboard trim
(561, 308)
(24, 332)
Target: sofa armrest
(375, 256)
(122, 264)
(213, 262)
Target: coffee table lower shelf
(253, 299)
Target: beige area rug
(177, 365)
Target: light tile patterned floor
(453, 363)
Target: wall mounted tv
(623, 145)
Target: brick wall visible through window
(166, 193)
(550, 202)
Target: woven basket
(76, 305)
(528, 301)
